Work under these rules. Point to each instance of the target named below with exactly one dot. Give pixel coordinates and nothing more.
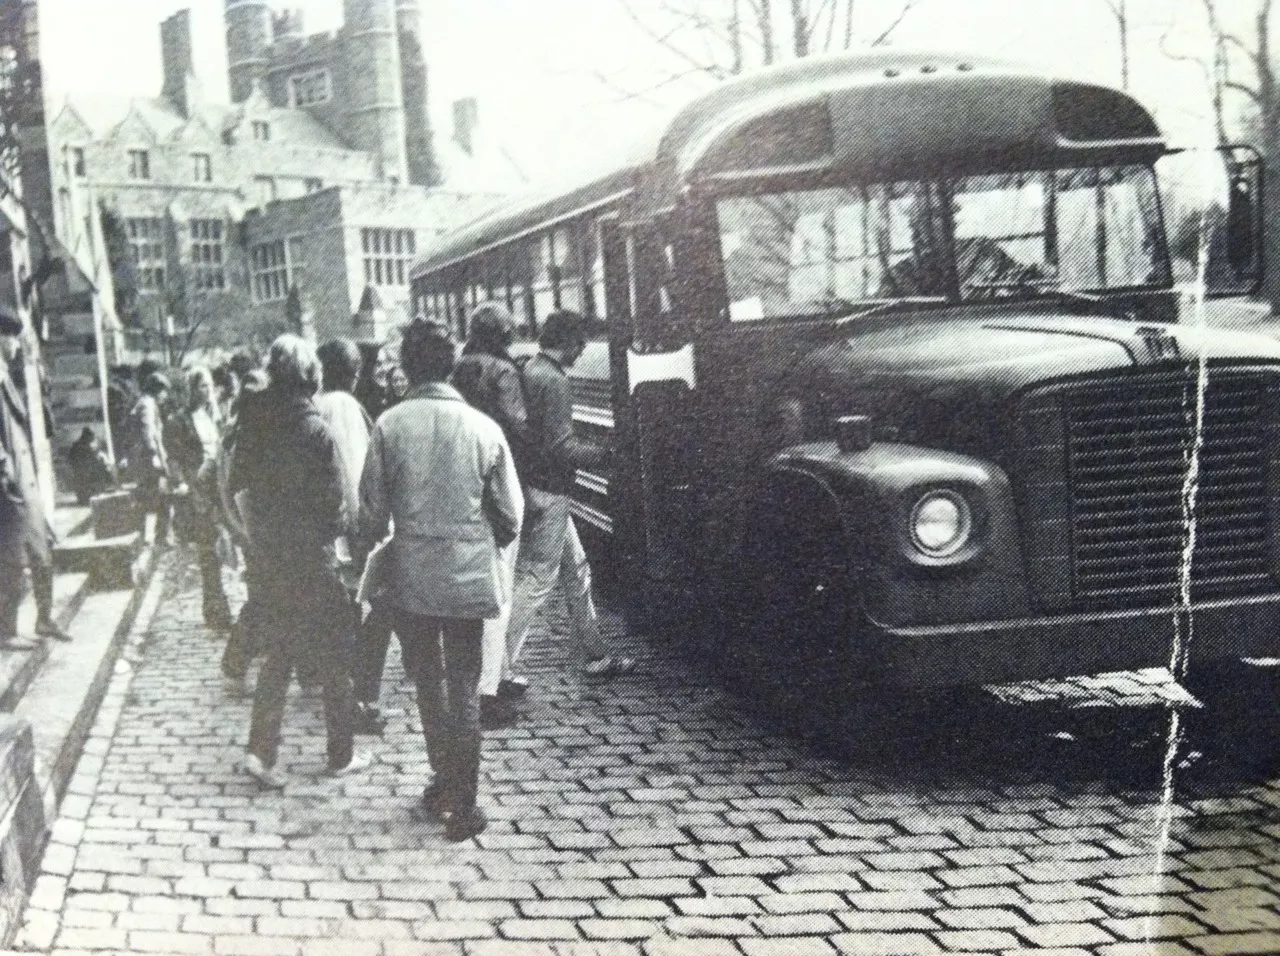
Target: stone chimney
(288, 25)
(466, 118)
(180, 85)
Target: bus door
(657, 440)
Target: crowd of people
(437, 511)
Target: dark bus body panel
(1064, 423)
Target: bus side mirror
(1244, 219)
(1214, 202)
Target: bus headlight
(941, 523)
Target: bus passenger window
(593, 256)
(544, 278)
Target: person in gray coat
(443, 473)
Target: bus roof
(884, 111)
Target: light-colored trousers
(494, 642)
(551, 551)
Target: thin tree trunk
(799, 29)
(766, 30)
(735, 35)
(848, 25)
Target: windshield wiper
(848, 313)
(1043, 290)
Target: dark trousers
(369, 656)
(286, 646)
(41, 584)
(217, 613)
(246, 633)
(11, 592)
(444, 657)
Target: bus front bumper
(1060, 646)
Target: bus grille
(1129, 444)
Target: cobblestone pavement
(654, 816)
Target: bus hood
(949, 384)
(999, 354)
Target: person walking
(443, 473)
(26, 537)
(340, 364)
(489, 379)
(148, 460)
(195, 440)
(290, 466)
(550, 549)
(245, 639)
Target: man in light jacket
(443, 472)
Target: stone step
(18, 668)
(108, 561)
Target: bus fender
(875, 493)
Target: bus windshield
(836, 251)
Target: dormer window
(77, 163)
(307, 89)
(201, 167)
(262, 131)
(139, 164)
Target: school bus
(887, 351)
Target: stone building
(301, 200)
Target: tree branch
(897, 22)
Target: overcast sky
(536, 66)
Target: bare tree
(1119, 9)
(721, 38)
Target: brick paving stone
(795, 946)
(976, 940)
(1065, 934)
(1236, 943)
(232, 945)
(979, 918)
(885, 944)
(654, 819)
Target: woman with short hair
(196, 438)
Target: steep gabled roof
(135, 127)
(69, 124)
(154, 119)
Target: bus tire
(795, 607)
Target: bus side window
(521, 272)
(544, 279)
(567, 248)
(593, 258)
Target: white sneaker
(269, 777)
(360, 760)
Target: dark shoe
(513, 689)
(465, 825)
(496, 713)
(50, 629)
(433, 798)
(369, 720)
(217, 617)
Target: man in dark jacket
(549, 547)
(288, 463)
(489, 379)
